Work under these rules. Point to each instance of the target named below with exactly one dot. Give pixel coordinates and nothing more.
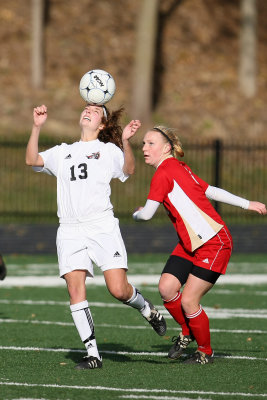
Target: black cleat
(181, 342)
(2, 269)
(156, 320)
(89, 362)
(200, 358)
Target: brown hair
(112, 131)
(170, 135)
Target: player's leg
(195, 288)
(108, 251)
(118, 285)
(2, 268)
(72, 251)
(82, 318)
(210, 261)
(173, 277)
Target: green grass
(38, 355)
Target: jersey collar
(170, 156)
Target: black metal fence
(240, 168)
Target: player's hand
(138, 209)
(258, 207)
(131, 129)
(39, 115)
(136, 212)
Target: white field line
(112, 326)
(227, 291)
(122, 353)
(53, 281)
(133, 396)
(154, 289)
(134, 390)
(213, 313)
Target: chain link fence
(240, 168)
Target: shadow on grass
(190, 351)
(113, 352)
(162, 347)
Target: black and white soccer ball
(97, 87)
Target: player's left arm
(218, 194)
(129, 160)
(258, 207)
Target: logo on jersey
(68, 156)
(96, 156)
(206, 261)
(117, 254)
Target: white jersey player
(88, 230)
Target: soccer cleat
(181, 342)
(89, 362)
(156, 320)
(2, 269)
(200, 358)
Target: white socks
(84, 323)
(137, 301)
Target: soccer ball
(97, 87)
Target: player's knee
(119, 292)
(163, 290)
(189, 303)
(167, 289)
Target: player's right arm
(145, 213)
(159, 187)
(33, 157)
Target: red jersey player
(205, 243)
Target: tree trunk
(144, 61)
(248, 44)
(37, 43)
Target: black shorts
(181, 268)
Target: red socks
(196, 324)
(199, 326)
(175, 309)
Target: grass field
(40, 346)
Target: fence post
(217, 145)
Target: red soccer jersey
(183, 195)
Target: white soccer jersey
(84, 171)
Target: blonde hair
(170, 135)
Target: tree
(144, 61)
(248, 44)
(38, 8)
